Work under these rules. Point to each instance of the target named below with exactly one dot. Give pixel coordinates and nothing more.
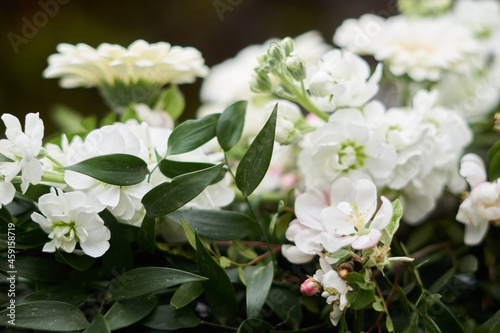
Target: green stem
(53, 177)
(56, 162)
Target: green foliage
(114, 169)
(166, 317)
(172, 101)
(258, 285)
(186, 293)
(363, 293)
(192, 134)
(98, 325)
(173, 169)
(129, 311)
(230, 125)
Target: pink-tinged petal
(366, 197)
(309, 287)
(367, 241)
(473, 169)
(342, 191)
(308, 241)
(294, 255)
(336, 221)
(475, 234)
(383, 216)
(294, 228)
(308, 208)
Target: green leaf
(254, 164)
(186, 293)
(145, 280)
(230, 125)
(46, 316)
(254, 325)
(286, 305)
(413, 324)
(494, 150)
(494, 171)
(166, 317)
(189, 232)
(492, 325)
(146, 238)
(68, 292)
(114, 169)
(173, 169)
(258, 285)
(192, 134)
(78, 262)
(443, 317)
(42, 269)
(219, 290)
(363, 293)
(430, 325)
(392, 227)
(172, 101)
(67, 120)
(99, 325)
(442, 281)
(109, 119)
(218, 225)
(127, 312)
(168, 197)
(130, 113)
(119, 254)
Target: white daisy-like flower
(482, 205)
(127, 74)
(22, 149)
(421, 47)
(71, 218)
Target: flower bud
(344, 269)
(309, 287)
(287, 45)
(296, 67)
(276, 52)
(261, 83)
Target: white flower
(345, 146)
(288, 119)
(154, 118)
(7, 192)
(343, 80)
(22, 148)
(437, 44)
(70, 218)
(483, 203)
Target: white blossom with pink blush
(483, 203)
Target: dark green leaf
(145, 280)
(168, 197)
(230, 125)
(217, 224)
(430, 324)
(46, 316)
(166, 317)
(99, 325)
(258, 284)
(254, 325)
(43, 269)
(146, 238)
(443, 317)
(363, 293)
(192, 134)
(491, 288)
(172, 101)
(78, 262)
(492, 325)
(442, 281)
(254, 164)
(286, 305)
(413, 324)
(219, 290)
(189, 232)
(127, 312)
(173, 169)
(494, 171)
(68, 292)
(186, 293)
(493, 150)
(119, 254)
(114, 169)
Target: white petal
(7, 193)
(383, 216)
(366, 197)
(475, 234)
(367, 241)
(294, 255)
(342, 191)
(473, 169)
(308, 208)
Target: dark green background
(180, 22)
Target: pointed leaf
(168, 197)
(146, 237)
(218, 225)
(363, 293)
(393, 226)
(145, 280)
(173, 169)
(230, 125)
(430, 325)
(119, 254)
(286, 305)
(127, 312)
(186, 293)
(166, 317)
(219, 290)
(99, 325)
(172, 101)
(254, 164)
(254, 325)
(492, 325)
(68, 292)
(114, 169)
(42, 269)
(192, 134)
(258, 285)
(46, 316)
(494, 171)
(78, 262)
(189, 232)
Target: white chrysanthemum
(422, 47)
(483, 203)
(22, 149)
(71, 218)
(343, 79)
(345, 146)
(125, 74)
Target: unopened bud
(296, 67)
(262, 83)
(344, 269)
(309, 287)
(275, 51)
(288, 46)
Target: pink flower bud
(309, 287)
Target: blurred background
(218, 28)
